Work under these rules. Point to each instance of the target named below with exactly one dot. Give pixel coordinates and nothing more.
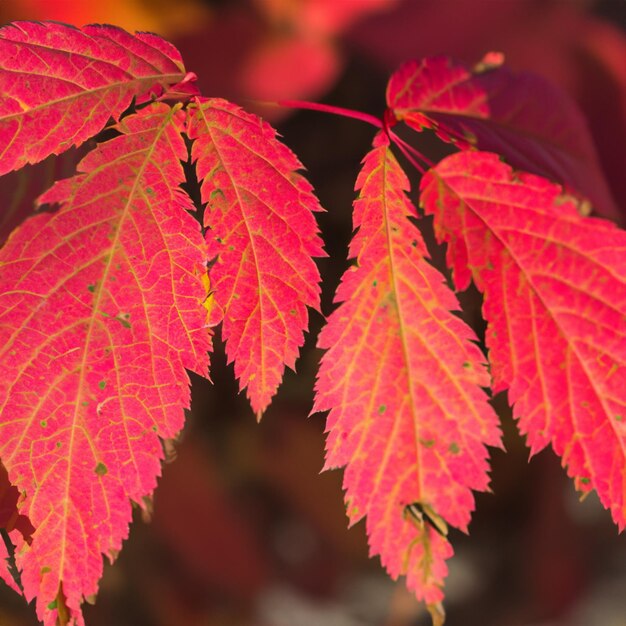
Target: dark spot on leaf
(467, 365)
(102, 384)
(44, 570)
(375, 283)
(91, 288)
(101, 469)
(414, 243)
(58, 444)
(454, 448)
(123, 319)
(427, 443)
(149, 191)
(382, 408)
(585, 481)
(292, 311)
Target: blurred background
(245, 530)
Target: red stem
(404, 148)
(327, 108)
(407, 148)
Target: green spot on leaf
(454, 448)
(382, 408)
(427, 443)
(44, 570)
(43, 423)
(102, 384)
(91, 288)
(150, 191)
(58, 444)
(52, 605)
(584, 481)
(375, 283)
(467, 365)
(123, 319)
(85, 403)
(101, 469)
(619, 418)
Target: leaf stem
(327, 108)
(411, 153)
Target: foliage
(107, 300)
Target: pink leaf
(100, 314)
(263, 233)
(554, 287)
(60, 85)
(402, 379)
(522, 117)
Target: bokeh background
(245, 530)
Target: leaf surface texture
(401, 377)
(100, 314)
(554, 287)
(262, 231)
(60, 84)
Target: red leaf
(555, 300)
(100, 314)
(60, 85)
(263, 233)
(535, 126)
(401, 378)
